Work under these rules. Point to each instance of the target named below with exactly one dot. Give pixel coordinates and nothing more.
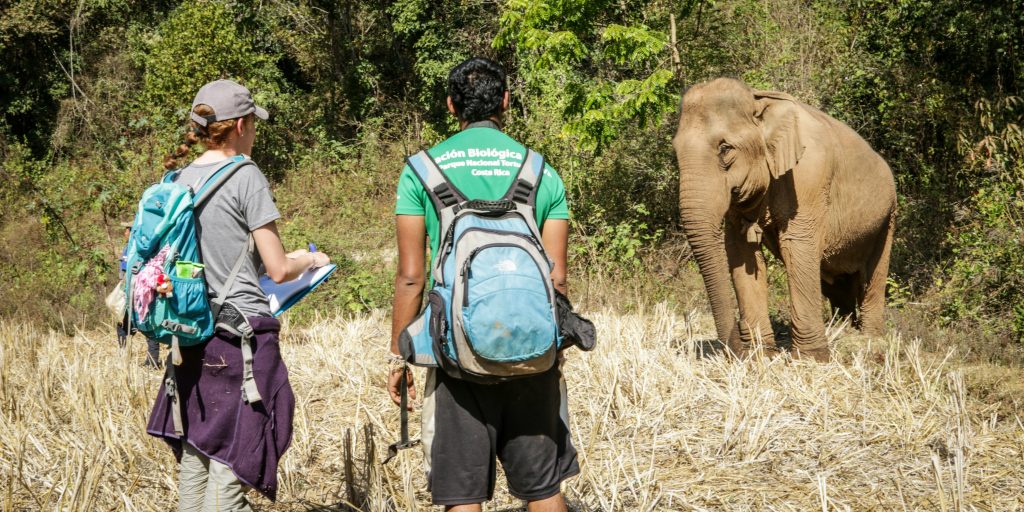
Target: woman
(230, 444)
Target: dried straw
(660, 424)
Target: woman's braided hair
(211, 136)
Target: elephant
(761, 169)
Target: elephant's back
(861, 199)
(856, 150)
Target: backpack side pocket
(427, 332)
(186, 313)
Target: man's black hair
(477, 88)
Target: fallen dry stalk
(658, 425)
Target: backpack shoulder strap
(169, 176)
(443, 193)
(220, 296)
(524, 188)
(205, 187)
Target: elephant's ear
(778, 115)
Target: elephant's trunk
(703, 227)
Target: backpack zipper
(467, 269)
(448, 244)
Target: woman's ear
(240, 127)
(505, 102)
(778, 115)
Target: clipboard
(285, 295)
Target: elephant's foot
(744, 349)
(771, 351)
(874, 330)
(738, 348)
(820, 355)
(871, 322)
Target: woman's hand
(319, 259)
(283, 267)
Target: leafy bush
(613, 248)
(197, 43)
(984, 283)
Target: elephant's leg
(802, 258)
(843, 293)
(872, 309)
(746, 263)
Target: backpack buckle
(177, 327)
(522, 192)
(445, 194)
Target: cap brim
(261, 113)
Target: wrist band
(395, 362)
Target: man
(517, 421)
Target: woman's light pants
(206, 485)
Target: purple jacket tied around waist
(250, 439)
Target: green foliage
(898, 293)
(93, 93)
(365, 290)
(984, 283)
(614, 248)
(440, 35)
(613, 69)
(200, 42)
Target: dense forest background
(94, 93)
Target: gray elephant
(761, 168)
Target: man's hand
(395, 383)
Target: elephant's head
(731, 142)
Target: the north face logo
(506, 266)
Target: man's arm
(410, 278)
(555, 237)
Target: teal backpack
(492, 313)
(164, 244)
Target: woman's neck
(216, 155)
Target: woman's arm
(283, 267)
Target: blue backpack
(163, 244)
(491, 314)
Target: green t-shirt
(481, 162)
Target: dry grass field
(659, 425)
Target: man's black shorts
(518, 421)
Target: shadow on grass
(706, 348)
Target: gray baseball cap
(229, 100)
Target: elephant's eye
(725, 152)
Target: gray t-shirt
(223, 223)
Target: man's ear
(505, 102)
(451, 107)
